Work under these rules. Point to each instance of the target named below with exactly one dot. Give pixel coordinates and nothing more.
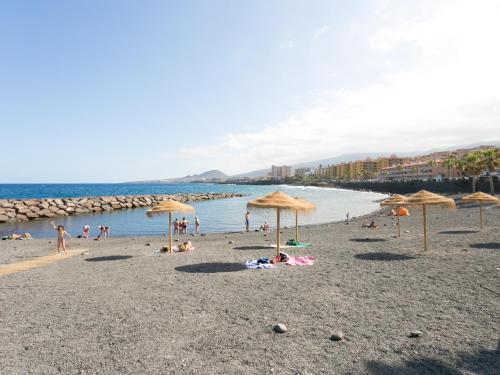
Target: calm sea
(225, 215)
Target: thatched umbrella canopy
(396, 200)
(481, 198)
(307, 208)
(425, 198)
(169, 206)
(280, 201)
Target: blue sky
(103, 91)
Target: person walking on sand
(61, 243)
(196, 225)
(247, 222)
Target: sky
(112, 91)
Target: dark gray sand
(122, 309)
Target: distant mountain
(207, 176)
(361, 156)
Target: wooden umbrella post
(481, 214)
(170, 232)
(425, 228)
(399, 230)
(277, 231)
(296, 226)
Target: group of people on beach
(103, 231)
(181, 226)
(62, 234)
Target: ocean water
(225, 215)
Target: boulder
(46, 213)
(58, 202)
(10, 214)
(53, 209)
(44, 205)
(31, 202)
(96, 209)
(83, 201)
(70, 210)
(22, 210)
(82, 210)
(21, 217)
(106, 199)
(32, 215)
(34, 208)
(62, 213)
(2, 211)
(3, 218)
(6, 204)
(106, 207)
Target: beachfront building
(418, 170)
(281, 172)
(303, 172)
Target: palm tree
(473, 166)
(451, 162)
(491, 161)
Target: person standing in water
(61, 243)
(196, 225)
(247, 221)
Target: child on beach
(86, 231)
(104, 231)
(61, 244)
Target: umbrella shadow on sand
(107, 258)
(463, 231)
(251, 247)
(487, 245)
(367, 239)
(384, 256)
(211, 267)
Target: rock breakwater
(31, 209)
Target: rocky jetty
(30, 209)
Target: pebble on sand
(280, 328)
(416, 333)
(337, 336)
(230, 241)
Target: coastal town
(461, 163)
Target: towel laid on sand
(259, 264)
(291, 242)
(300, 260)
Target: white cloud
(447, 95)
(322, 30)
(287, 45)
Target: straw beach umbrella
(280, 201)
(397, 200)
(307, 207)
(481, 198)
(169, 206)
(425, 198)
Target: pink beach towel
(300, 260)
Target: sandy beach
(122, 308)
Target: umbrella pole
(170, 231)
(425, 228)
(296, 226)
(399, 230)
(481, 214)
(277, 231)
